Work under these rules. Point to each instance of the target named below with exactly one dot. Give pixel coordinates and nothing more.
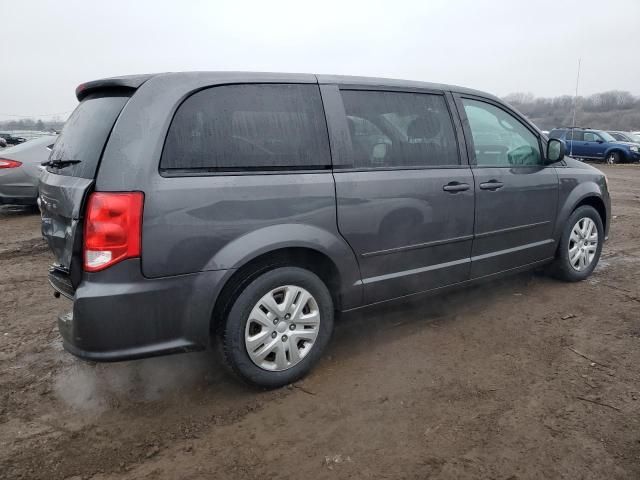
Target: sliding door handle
(454, 187)
(491, 185)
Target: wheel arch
(618, 150)
(306, 257)
(585, 193)
(597, 203)
(321, 251)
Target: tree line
(613, 110)
(32, 124)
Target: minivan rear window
(85, 133)
(249, 127)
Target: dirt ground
(523, 378)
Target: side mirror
(556, 150)
(600, 140)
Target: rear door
(73, 165)
(404, 196)
(593, 145)
(575, 143)
(516, 192)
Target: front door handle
(453, 187)
(491, 185)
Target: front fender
(243, 249)
(572, 196)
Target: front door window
(499, 139)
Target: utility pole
(575, 106)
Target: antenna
(575, 106)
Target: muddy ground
(517, 379)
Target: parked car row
(20, 162)
(632, 137)
(12, 140)
(592, 144)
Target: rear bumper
(120, 315)
(17, 187)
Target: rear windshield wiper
(59, 163)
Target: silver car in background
(626, 136)
(20, 169)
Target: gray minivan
(245, 209)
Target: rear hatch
(70, 174)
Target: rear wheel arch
(303, 257)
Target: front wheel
(612, 158)
(580, 245)
(278, 327)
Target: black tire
(612, 158)
(233, 332)
(561, 268)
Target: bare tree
(612, 110)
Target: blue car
(593, 144)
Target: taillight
(112, 228)
(6, 163)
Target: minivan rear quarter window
(249, 127)
(86, 132)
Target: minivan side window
(249, 127)
(499, 138)
(399, 129)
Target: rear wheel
(612, 158)
(580, 245)
(278, 327)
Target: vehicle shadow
(366, 328)
(7, 211)
(201, 377)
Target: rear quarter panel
(217, 222)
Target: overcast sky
(48, 47)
